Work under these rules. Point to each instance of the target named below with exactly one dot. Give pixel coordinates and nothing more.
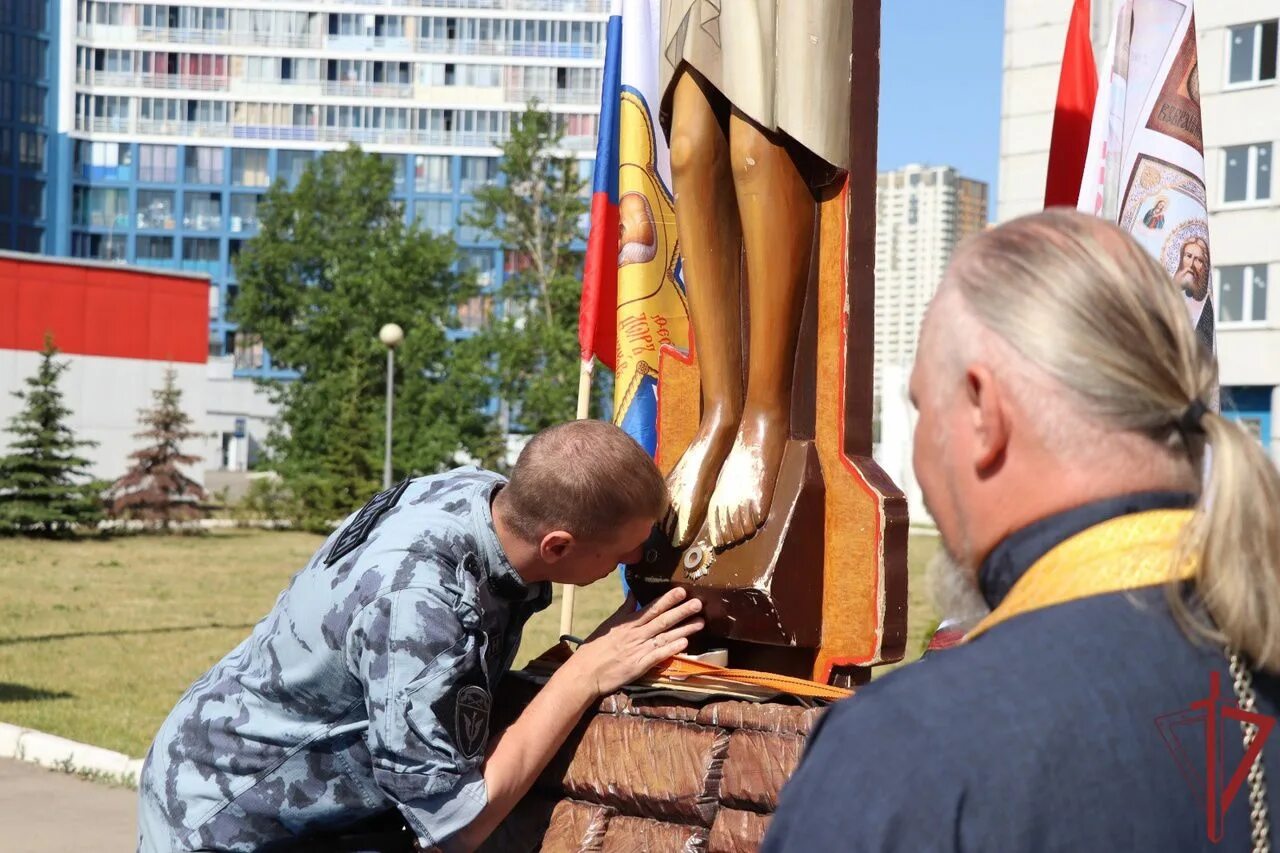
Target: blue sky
(940, 66)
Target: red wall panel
(94, 311)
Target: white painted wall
(229, 398)
(104, 395)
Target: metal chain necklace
(1259, 821)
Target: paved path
(44, 811)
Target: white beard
(953, 589)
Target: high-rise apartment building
(922, 212)
(26, 161)
(168, 121)
(1238, 53)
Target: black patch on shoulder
(472, 719)
(464, 713)
(355, 533)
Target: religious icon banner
(1145, 166)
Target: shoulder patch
(472, 719)
(462, 712)
(355, 533)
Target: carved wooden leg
(778, 213)
(711, 243)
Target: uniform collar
(1018, 551)
(502, 577)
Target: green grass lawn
(98, 638)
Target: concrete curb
(59, 753)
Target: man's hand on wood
(631, 642)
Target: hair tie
(1191, 421)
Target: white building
(922, 212)
(168, 121)
(1239, 102)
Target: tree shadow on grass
(129, 632)
(22, 693)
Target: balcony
(135, 79)
(202, 222)
(295, 133)
(210, 268)
(550, 95)
(361, 88)
(379, 44)
(182, 35)
(103, 34)
(544, 49)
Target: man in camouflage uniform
(366, 689)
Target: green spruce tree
(328, 486)
(43, 481)
(155, 489)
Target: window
(431, 174)
(474, 313)
(1247, 171)
(154, 249)
(478, 172)
(99, 207)
(204, 166)
(397, 169)
(156, 210)
(436, 216)
(480, 263)
(103, 247)
(291, 164)
(202, 211)
(1252, 53)
(244, 211)
(215, 302)
(248, 351)
(200, 255)
(1242, 294)
(31, 199)
(31, 150)
(103, 161)
(249, 168)
(158, 163)
(469, 233)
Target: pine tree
(155, 489)
(42, 481)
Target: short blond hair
(585, 477)
(1083, 303)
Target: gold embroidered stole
(1129, 552)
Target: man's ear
(555, 545)
(989, 416)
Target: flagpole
(586, 368)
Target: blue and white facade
(172, 119)
(147, 132)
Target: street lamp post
(391, 336)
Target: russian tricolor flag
(597, 318)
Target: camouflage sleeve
(417, 654)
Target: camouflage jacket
(366, 688)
